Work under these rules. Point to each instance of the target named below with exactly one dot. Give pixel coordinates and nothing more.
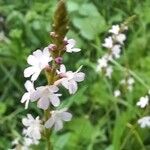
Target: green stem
(47, 131)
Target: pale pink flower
(32, 127)
(144, 122)
(108, 42)
(69, 79)
(38, 61)
(116, 50)
(120, 38)
(143, 102)
(26, 97)
(46, 95)
(115, 29)
(70, 46)
(57, 118)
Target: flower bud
(58, 60)
(53, 35)
(52, 47)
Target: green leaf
(3, 108)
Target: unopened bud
(52, 47)
(53, 35)
(58, 60)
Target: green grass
(100, 122)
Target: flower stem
(60, 28)
(47, 131)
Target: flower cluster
(48, 96)
(114, 44)
(143, 103)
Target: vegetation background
(101, 121)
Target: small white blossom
(131, 81)
(143, 101)
(120, 38)
(109, 71)
(69, 79)
(144, 122)
(70, 46)
(26, 97)
(117, 93)
(102, 63)
(57, 118)
(116, 50)
(115, 29)
(128, 82)
(108, 43)
(38, 61)
(46, 95)
(32, 127)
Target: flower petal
(72, 86)
(66, 116)
(43, 103)
(58, 125)
(55, 100)
(49, 123)
(29, 71)
(29, 86)
(79, 76)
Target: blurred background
(100, 121)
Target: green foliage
(100, 121)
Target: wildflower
(116, 50)
(128, 82)
(143, 101)
(32, 127)
(102, 63)
(46, 95)
(117, 93)
(109, 71)
(108, 42)
(115, 29)
(69, 79)
(144, 122)
(70, 46)
(57, 118)
(28, 142)
(26, 97)
(38, 61)
(120, 38)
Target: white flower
(131, 81)
(70, 46)
(109, 71)
(69, 79)
(102, 63)
(15, 141)
(143, 101)
(108, 43)
(115, 29)
(120, 38)
(144, 122)
(46, 95)
(38, 61)
(28, 142)
(117, 93)
(57, 118)
(33, 127)
(116, 51)
(26, 97)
